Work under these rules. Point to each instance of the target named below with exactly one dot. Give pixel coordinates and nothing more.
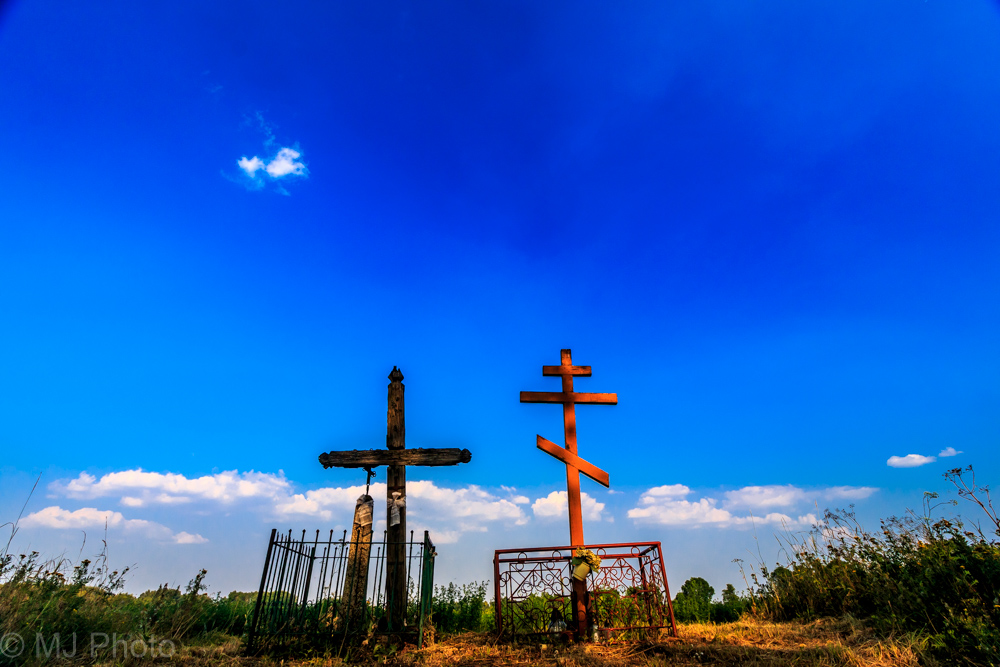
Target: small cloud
(95, 519)
(761, 497)
(909, 461)
(746, 506)
(250, 166)
(286, 163)
(515, 498)
(949, 451)
(705, 512)
(282, 164)
(555, 505)
(446, 536)
(674, 512)
(848, 492)
(138, 488)
(668, 491)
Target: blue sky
(772, 228)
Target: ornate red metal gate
(628, 598)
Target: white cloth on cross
(394, 506)
(363, 511)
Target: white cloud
(669, 491)
(848, 492)
(324, 502)
(670, 506)
(250, 166)
(758, 497)
(556, 505)
(909, 461)
(949, 451)
(139, 488)
(446, 536)
(515, 498)
(92, 518)
(671, 511)
(470, 505)
(705, 511)
(463, 509)
(285, 163)
(788, 495)
(281, 164)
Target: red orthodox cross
(574, 464)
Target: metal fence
(302, 598)
(628, 598)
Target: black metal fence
(302, 598)
(628, 598)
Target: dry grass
(746, 642)
(750, 643)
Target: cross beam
(372, 458)
(571, 459)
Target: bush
(68, 606)
(694, 604)
(462, 608)
(915, 575)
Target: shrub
(65, 606)
(462, 608)
(694, 604)
(915, 575)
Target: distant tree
(731, 607)
(694, 602)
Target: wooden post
(579, 597)
(353, 601)
(395, 439)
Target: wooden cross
(574, 464)
(396, 457)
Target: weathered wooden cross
(574, 464)
(396, 457)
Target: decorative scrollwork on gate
(628, 596)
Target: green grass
(45, 604)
